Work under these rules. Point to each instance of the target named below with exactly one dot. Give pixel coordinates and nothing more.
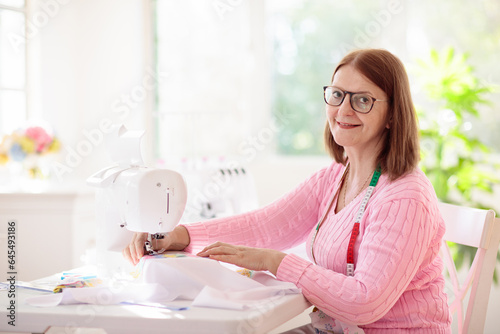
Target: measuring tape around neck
(355, 229)
(359, 215)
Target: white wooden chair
(480, 229)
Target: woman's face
(351, 129)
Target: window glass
(13, 3)
(470, 28)
(13, 107)
(12, 53)
(231, 67)
(310, 37)
(13, 111)
(210, 62)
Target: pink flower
(41, 138)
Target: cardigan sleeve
(401, 236)
(279, 225)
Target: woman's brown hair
(400, 153)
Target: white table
(123, 319)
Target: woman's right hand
(177, 239)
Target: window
(213, 98)
(12, 65)
(310, 37)
(239, 67)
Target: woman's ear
(388, 124)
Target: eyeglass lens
(359, 101)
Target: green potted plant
(457, 162)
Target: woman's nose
(345, 107)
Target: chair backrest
(480, 229)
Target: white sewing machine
(130, 198)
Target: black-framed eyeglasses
(360, 102)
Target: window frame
(24, 10)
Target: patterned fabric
(79, 283)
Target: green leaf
(453, 159)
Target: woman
(370, 220)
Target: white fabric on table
(164, 279)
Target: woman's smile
(344, 125)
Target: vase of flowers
(27, 153)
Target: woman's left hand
(246, 257)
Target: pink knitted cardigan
(397, 285)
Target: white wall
(274, 176)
